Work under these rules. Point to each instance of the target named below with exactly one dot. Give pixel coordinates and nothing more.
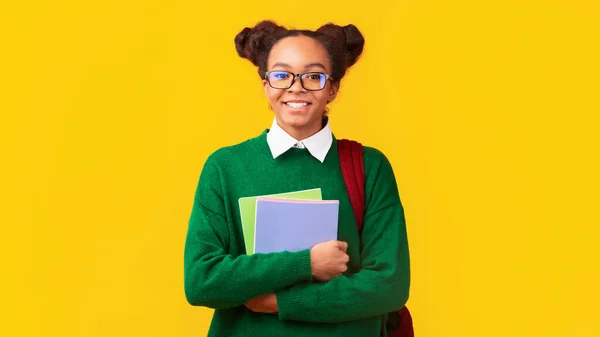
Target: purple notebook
(294, 225)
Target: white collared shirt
(318, 144)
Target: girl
(336, 288)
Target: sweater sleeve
(381, 285)
(216, 279)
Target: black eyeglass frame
(327, 77)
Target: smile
(296, 105)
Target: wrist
(273, 300)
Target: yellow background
(487, 110)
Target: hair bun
(349, 36)
(355, 43)
(240, 42)
(254, 43)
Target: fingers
(343, 269)
(343, 246)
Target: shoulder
(370, 154)
(373, 154)
(381, 187)
(378, 167)
(223, 154)
(223, 162)
(226, 155)
(375, 159)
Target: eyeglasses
(313, 81)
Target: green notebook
(248, 211)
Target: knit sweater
(219, 274)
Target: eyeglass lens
(284, 79)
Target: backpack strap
(399, 323)
(353, 170)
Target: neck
(300, 133)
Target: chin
(295, 121)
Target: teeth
(296, 105)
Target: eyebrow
(310, 65)
(315, 65)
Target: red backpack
(399, 323)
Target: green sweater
(218, 274)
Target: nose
(296, 85)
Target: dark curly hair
(344, 45)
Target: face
(300, 111)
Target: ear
(333, 90)
(265, 85)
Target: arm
(382, 284)
(216, 279)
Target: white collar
(318, 144)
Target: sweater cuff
(298, 266)
(289, 300)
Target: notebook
(248, 212)
(294, 225)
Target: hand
(264, 303)
(329, 260)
